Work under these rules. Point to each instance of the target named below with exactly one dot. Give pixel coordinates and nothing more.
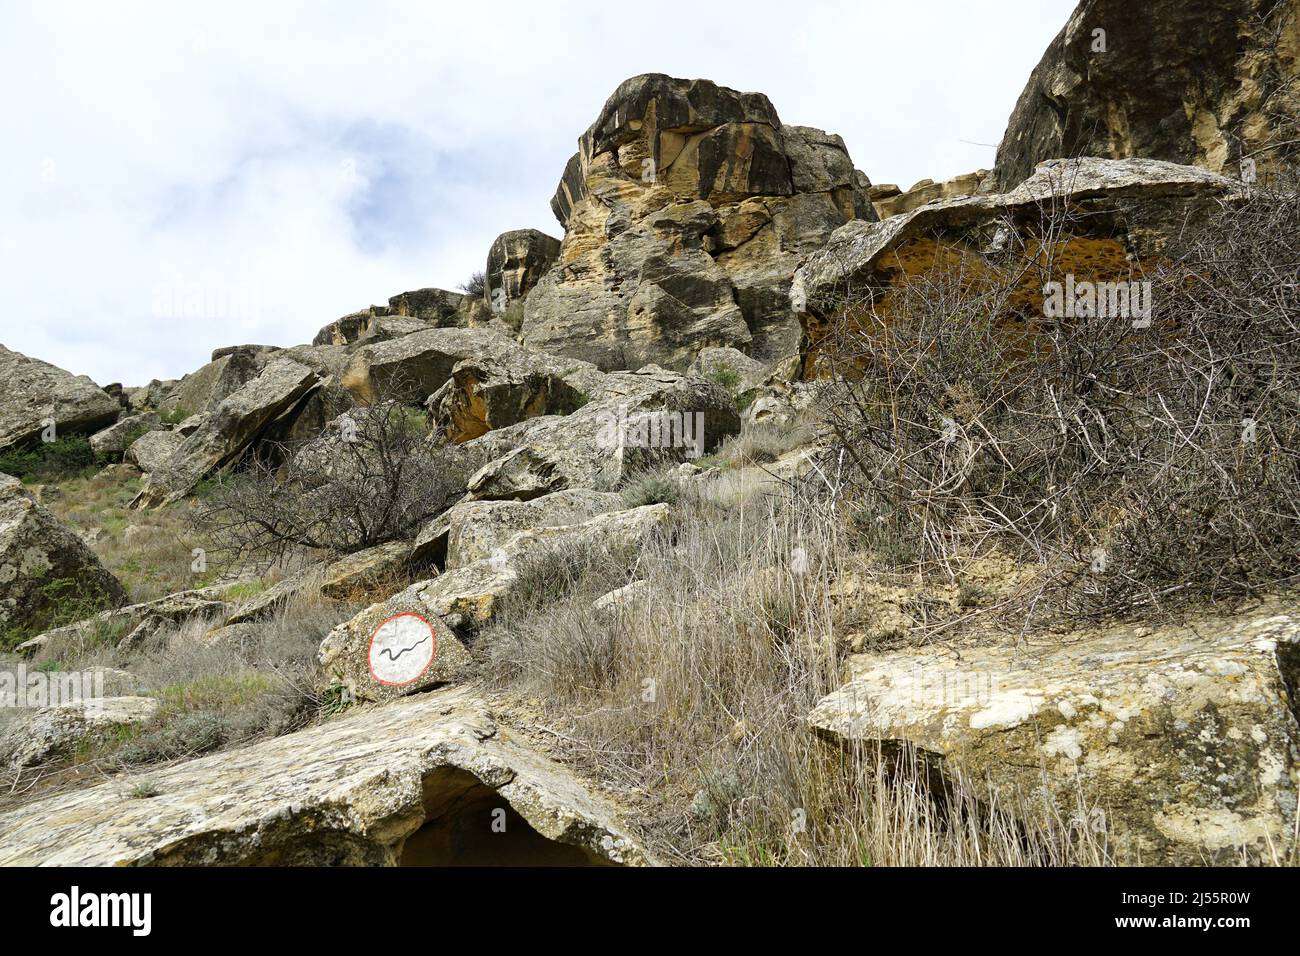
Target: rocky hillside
(765, 516)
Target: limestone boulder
(411, 368)
(636, 419)
(472, 530)
(395, 647)
(42, 402)
(229, 371)
(504, 383)
(154, 449)
(113, 441)
(1177, 746)
(415, 782)
(515, 262)
(56, 732)
(1199, 82)
(334, 580)
(228, 430)
(437, 307)
(44, 565)
(927, 190)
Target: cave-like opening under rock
(469, 824)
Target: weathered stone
(686, 210)
(396, 647)
(366, 326)
(112, 441)
(732, 369)
(927, 190)
(228, 430)
(1204, 82)
(42, 563)
(472, 530)
(1115, 213)
(154, 449)
(505, 383)
(636, 419)
(223, 376)
(379, 786)
(515, 262)
(42, 401)
(55, 732)
(437, 307)
(412, 368)
(1182, 743)
(335, 580)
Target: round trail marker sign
(401, 649)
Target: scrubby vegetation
(68, 456)
(377, 477)
(1136, 466)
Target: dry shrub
(373, 477)
(697, 690)
(1137, 466)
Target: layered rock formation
(414, 783)
(686, 210)
(1113, 216)
(1180, 746)
(1202, 82)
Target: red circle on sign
(433, 650)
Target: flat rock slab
(348, 792)
(1183, 740)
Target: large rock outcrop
(503, 383)
(42, 563)
(686, 210)
(1183, 742)
(1202, 82)
(1115, 217)
(42, 401)
(228, 430)
(471, 530)
(635, 420)
(421, 781)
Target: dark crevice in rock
(470, 824)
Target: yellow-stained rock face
(686, 209)
(1183, 741)
(1115, 221)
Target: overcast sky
(285, 163)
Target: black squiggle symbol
(393, 657)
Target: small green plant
(724, 375)
(144, 789)
(970, 594)
(69, 456)
(513, 315)
(174, 416)
(651, 489)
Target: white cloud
(182, 177)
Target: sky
(178, 177)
